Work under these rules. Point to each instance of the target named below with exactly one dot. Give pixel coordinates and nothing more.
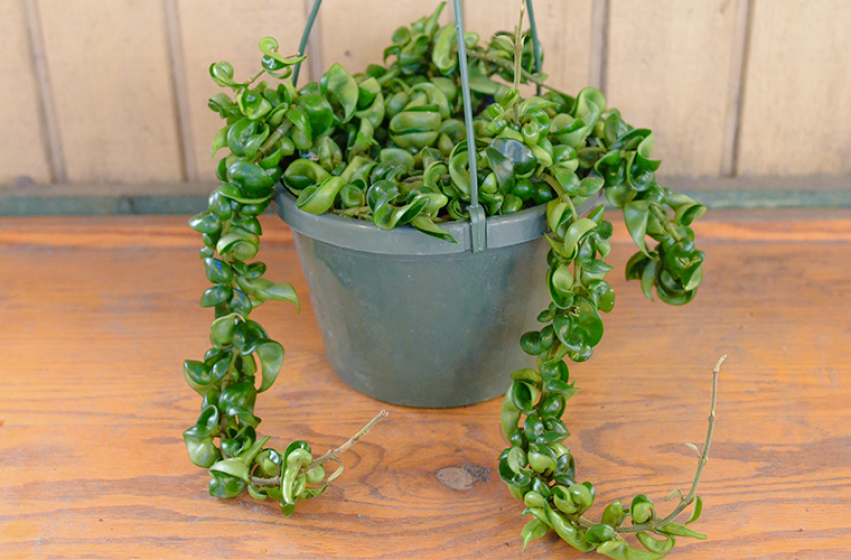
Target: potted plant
(353, 156)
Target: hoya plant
(388, 145)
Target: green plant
(389, 146)
(227, 376)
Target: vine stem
(330, 456)
(509, 66)
(518, 57)
(704, 457)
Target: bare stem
(509, 66)
(701, 462)
(330, 456)
(518, 46)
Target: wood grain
(109, 68)
(25, 158)
(98, 313)
(228, 31)
(797, 106)
(668, 70)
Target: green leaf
(254, 180)
(648, 279)
(273, 62)
(264, 290)
(303, 173)
(576, 230)
(222, 74)
(680, 531)
(586, 98)
(205, 222)
(427, 226)
(657, 546)
(636, 214)
(319, 199)
(271, 356)
(202, 451)
(224, 485)
(588, 325)
(620, 550)
(220, 140)
(243, 246)
(234, 467)
(215, 295)
(698, 509)
(222, 329)
(613, 514)
(238, 397)
(197, 375)
(524, 396)
(533, 530)
(600, 533)
(602, 294)
(218, 272)
(342, 89)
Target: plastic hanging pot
(413, 320)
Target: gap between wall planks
(25, 98)
(668, 70)
(738, 68)
(108, 64)
(797, 105)
(599, 45)
(181, 96)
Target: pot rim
(360, 235)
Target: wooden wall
(114, 91)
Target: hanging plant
(389, 146)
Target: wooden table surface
(97, 315)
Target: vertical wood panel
(229, 30)
(796, 117)
(668, 70)
(22, 152)
(109, 67)
(564, 28)
(356, 34)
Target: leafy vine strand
(389, 146)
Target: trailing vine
(227, 377)
(389, 146)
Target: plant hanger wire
(478, 220)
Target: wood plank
(26, 159)
(109, 67)
(668, 70)
(357, 36)
(564, 28)
(797, 104)
(92, 464)
(229, 31)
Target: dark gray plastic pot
(416, 321)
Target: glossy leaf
(655, 545)
(681, 531)
(620, 550)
